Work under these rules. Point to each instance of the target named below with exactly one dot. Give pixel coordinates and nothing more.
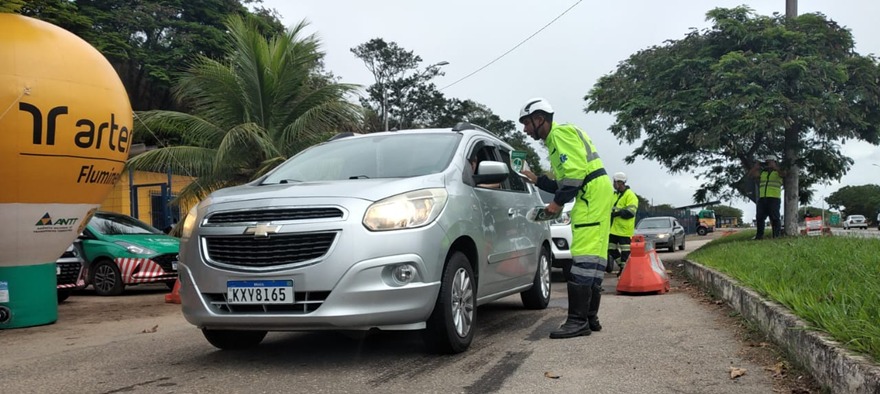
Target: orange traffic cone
(644, 272)
(174, 297)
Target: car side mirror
(491, 172)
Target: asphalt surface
(669, 343)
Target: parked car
(855, 221)
(663, 232)
(122, 251)
(69, 271)
(560, 231)
(384, 230)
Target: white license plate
(174, 266)
(259, 292)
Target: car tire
(63, 294)
(671, 248)
(702, 231)
(233, 339)
(450, 328)
(681, 247)
(538, 296)
(106, 278)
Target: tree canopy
(413, 101)
(719, 98)
(262, 103)
(149, 41)
(856, 200)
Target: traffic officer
(769, 177)
(580, 176)
(623, 222)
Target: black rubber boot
(579, 297)
(593, 313)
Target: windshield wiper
(358, 177)
(283, 181)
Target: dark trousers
(768, 206)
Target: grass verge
(832, 283)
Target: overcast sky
(561, 63)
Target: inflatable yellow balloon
(65, 133)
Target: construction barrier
(174, 297)
(644, 271)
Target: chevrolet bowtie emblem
(262, 230)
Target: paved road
(671, 343)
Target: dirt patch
(756, 347)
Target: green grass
(832, 283)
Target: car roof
(464, 128)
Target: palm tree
(262, 104)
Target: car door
(500, 209)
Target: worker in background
(623, 223)
(769, 178)
(580, 176)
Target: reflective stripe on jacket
(771, 184)
(625, 201)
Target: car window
(653, 223)
(120, 224)
(515, 180)
(380, 156)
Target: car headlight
(563, 220)
(135, 249)
(189, 223)
(662, 236)
(408, 210)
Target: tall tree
(261, 104)
(148, 41)
(413, 101)
(750, 85)
(403, 96)
(856, 200)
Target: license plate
(174, 266)
(259, 292)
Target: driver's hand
(529, 175)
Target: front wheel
(233, 339)
(538, 296)
(681, 247)
(450, 329)
(107, 279)
(702, 231)
(671, 245)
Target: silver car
(663, 232)
(386, 230)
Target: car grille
(256, 252)
(165, 260)
(69, 273)
(272, 215)
(304, 302)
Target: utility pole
(791, 9)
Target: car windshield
(654, 223)
(857, 217)
(108, 224)
(401, 155)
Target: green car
(122, 250)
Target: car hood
(158, 242)
(366, 189)
(653, 231)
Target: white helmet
(619, 176)
(535, 104)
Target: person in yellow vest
(579, 176)
(623, 222)
(769, 178)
